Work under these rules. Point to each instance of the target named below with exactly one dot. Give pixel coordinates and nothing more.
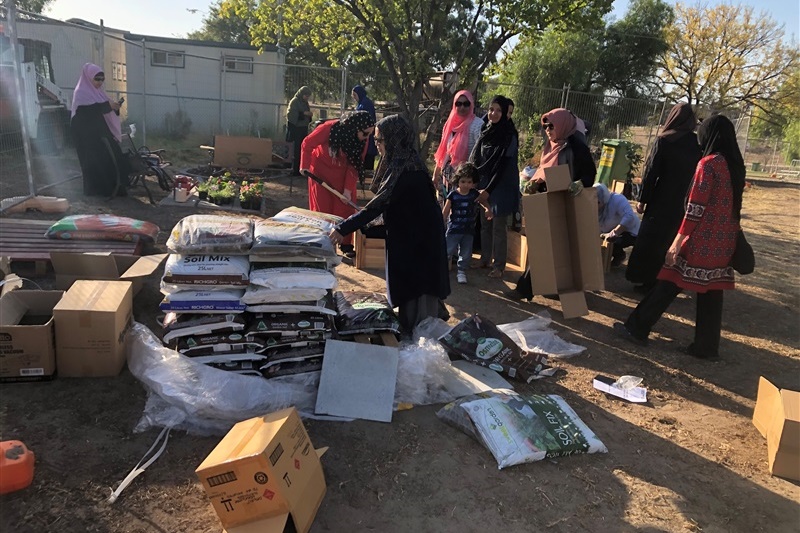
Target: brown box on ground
(370, 253)
(262, 472)
(562, 232)
(517, 245)
(617, 186)
(92, 320)
(777, 418)
(606, 254)
(27, 349)
(70, 266)
(242, 152)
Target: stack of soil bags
(251, 297)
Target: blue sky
(175, 18)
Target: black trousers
(298, 133)
(621, 242)
(708, 319)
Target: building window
(114, 71)
(124, 72)
(162, 58)
(238, 64)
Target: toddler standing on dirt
(459, 212)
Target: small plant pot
(203, 195)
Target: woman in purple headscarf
(96, 133)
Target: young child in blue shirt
(459, 212)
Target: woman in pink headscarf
(459, 135)
(564, 147)
(96, 133)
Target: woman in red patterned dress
(699, 258)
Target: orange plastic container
(16, 466)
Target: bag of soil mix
(103, 228)
(196, 271)
(245, 368)
(178, 325)
(292, 278)
(479, 341)
(298, 215)
(289, 325)
(364, 312)
(211, 234)
(274, 235)
(292, 361)
(255, 295)
(323, 306)
(223, 301)
(522, 429)
(218, 343)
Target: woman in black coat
(667, 176)
(417, 279)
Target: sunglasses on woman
(548, 125)
(99, 78)
(462, 104)
(378, 140)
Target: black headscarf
(344, 137)
(680, 121)
(501, 132)
(717, 135)
(399, 157)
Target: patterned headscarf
(344, 137)
(717, 135)
(458, 149)
(399, 157)
(87, 94)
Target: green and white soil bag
(255, 294)
(522, 429)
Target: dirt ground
(689, 460)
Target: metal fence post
(219, 106)
(344, 89)
(144, 92)
(102, 47)
(21, 101)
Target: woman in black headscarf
(495, 156)
(667, 176)
(416, 257)
(699, 257)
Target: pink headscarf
(564, 124)
(87, 94)
(459, 147)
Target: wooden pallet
(370, 253)
(383, 338)
(24, 240)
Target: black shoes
(690, 350)
(623, 332)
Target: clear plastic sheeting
(535, 335)
(422, 370)
(202, 400)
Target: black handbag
(743, 260)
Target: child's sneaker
(461, 277)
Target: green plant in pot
(250, 195)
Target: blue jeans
(461, 243)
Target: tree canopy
(724, 56)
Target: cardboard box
(242, 152)
(562, 232)
(27, 349)
(777, 418)
(262, 472)
(92, 320)
(71, 266)
(606, 254)
(517, 246)
(370, 253)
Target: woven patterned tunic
(704, 260)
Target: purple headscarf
(87, 94)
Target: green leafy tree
(413, 39)
(33, 6)
(222, 29)
(724, 56)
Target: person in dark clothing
(298, 118)
(364, 103)
(565, 146)
(666, 179)
(96, 132)
(495, 156)
(417, 278)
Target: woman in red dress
(334, 152)
(699, 258)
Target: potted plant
(250, 195)
(221, 191)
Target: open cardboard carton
(264, 471)
(562, 232)
(242, 152)
(71, 266)
(27, 349)
(777, 418)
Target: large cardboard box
(370, 253)
(562, 232)
(262, 472)
(92, 320)
(27, 349)
(242, 152)
(71, 266)
(777, 418)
